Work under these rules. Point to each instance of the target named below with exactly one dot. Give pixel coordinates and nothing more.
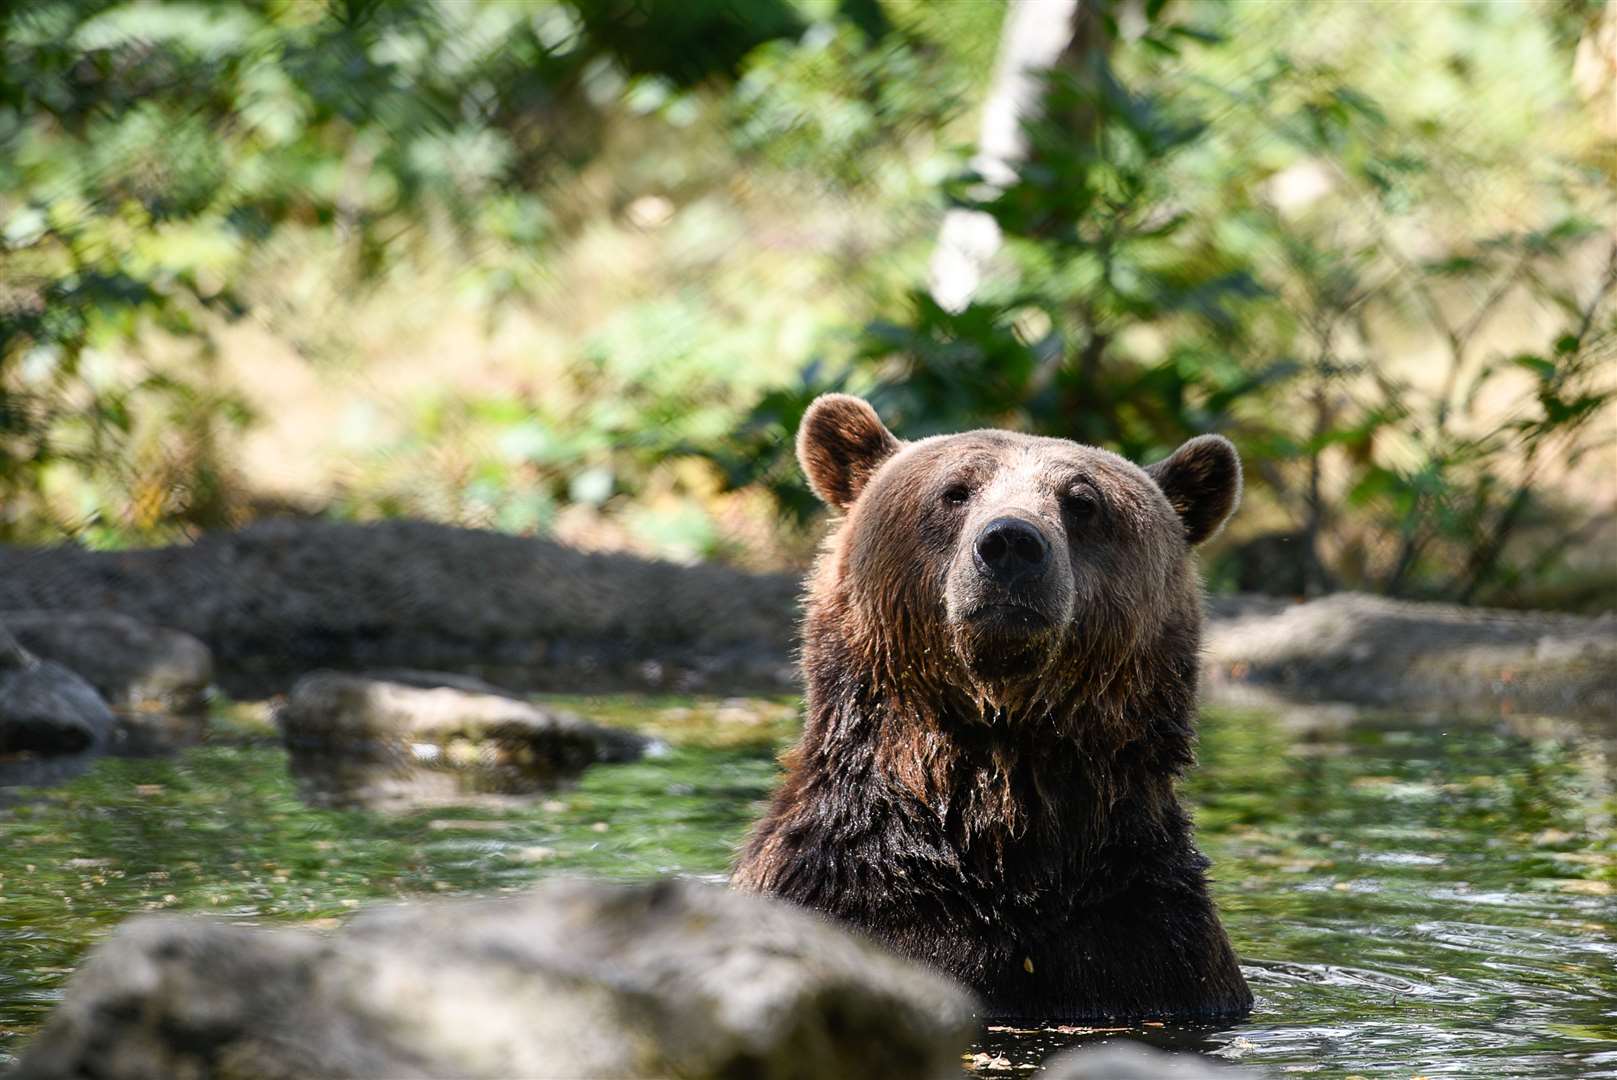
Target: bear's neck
(1060, 775)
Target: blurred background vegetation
(576, 268)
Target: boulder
(400, 740)
(135, 666)
(45, 708)
(1370, 650)
(575, 979)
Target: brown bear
(1000, 650)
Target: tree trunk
(1594, 69)
(1036, 35)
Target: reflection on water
(142, 735)
(379, 776)
(1412, 897)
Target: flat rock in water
(330, 706)
(134, 665)
(358, 740)
(1123, 1059)
(1372, 650)
(45, 708)
(575, 979)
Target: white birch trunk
(1594, 70)
(1036, 33)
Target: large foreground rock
(576, 979)
(284, 597)
(135, 666)
(407, 740)
(1370, 650)
(44, 707)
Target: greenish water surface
(1413, 896)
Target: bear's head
(1004, 569)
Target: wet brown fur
(1001, 807)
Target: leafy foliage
(153, 148)
(1385, 272)
(1162, 277)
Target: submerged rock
(575, 979)
(1124, 1059)
(134, 665)
(399, 740)
(44, 707)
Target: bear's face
(989, 558)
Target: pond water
(1413, 896)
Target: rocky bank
(277, 600)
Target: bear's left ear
(1202, 480)
(840, 444)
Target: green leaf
(1544, 369)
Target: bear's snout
(1011, 550)
(1008, 594)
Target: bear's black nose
(1010, 550)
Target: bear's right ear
(840, 444)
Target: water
(1413, 896)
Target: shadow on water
(149, 737)
(400, 779)
(1413, 895)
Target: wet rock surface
(406, 739)
(135, 666)
(46, 709)
(575, 979)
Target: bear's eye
(1081, 503)
(956, 495)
